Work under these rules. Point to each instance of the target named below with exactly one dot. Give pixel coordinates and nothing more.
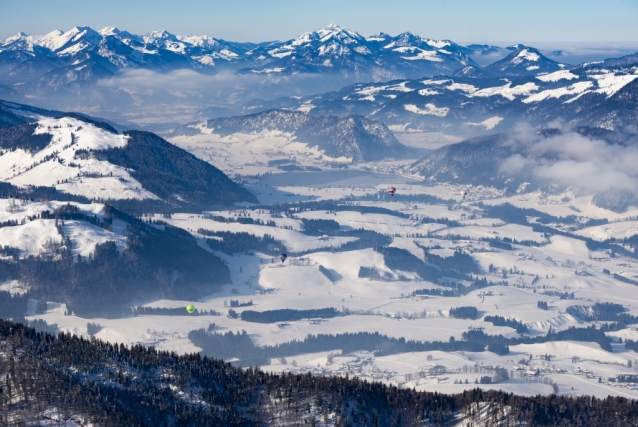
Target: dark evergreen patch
(500, 245)
(12, 138)
(319, 227)
(13, 306)
(240, 346)
(136, 386)
(457, 266)
(327, 273)
(464, 312)
(100, 125)
(512, 323)
(9, 118)
(287, 315)
(232, 243)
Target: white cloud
(571, 159)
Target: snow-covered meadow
(389, 306)
(556, 271)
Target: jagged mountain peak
(331, 32)
(70, 42)
(515, 46)
(109, 31)
(381, 36)
(200, 41)
(407, 39)
(77, 33)
(154, 36)
(335, 31)
(526, 53)
(524, 60)
(10, 39)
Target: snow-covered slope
(590, 96)
(523, 61)
(46, 237)
(81, 157)
(57, 164)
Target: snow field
(56, 164)
(386, 306)
(33, 238)
(293, 240)
(85, 236)
(243, 154)
(41, 235)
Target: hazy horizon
(464, 21)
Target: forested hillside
(161, 262)
(70, 379)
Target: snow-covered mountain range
(120, 75)
(123, 76)
(601, 94)
(332, 48)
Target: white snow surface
(245, 154)
(574, 89)
(610, 83)
(556, 76)
(506, 91)
(32, 238)
(52, 166)
(85, 236)
(428, 110)
(427, 55)
(490, 123)
(40, 236)
(533, 274)
(525, 55)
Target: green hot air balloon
(190, 308)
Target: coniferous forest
(91, 381)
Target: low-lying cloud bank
(224, 88)
(606, 168)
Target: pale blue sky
(464, 21)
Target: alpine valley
(375, 231)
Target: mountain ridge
(76, 155)
(355, 137)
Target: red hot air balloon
(392, 190)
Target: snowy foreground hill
(83, 160)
